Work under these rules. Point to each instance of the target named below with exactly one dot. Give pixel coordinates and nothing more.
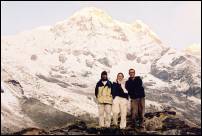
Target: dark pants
(138, 109)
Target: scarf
(123, 82)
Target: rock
(156, 123)
(30, 131)
(53, 80)
(78, 125)
(153, 124)
(130, 56)
(33, 57)
(16, 84)
(162, 74)
(62, 58)
(86, 74)
(178, 60)
(194, 91)
(89, 63)
(80, 85)
(105, 61)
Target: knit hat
(103, 73)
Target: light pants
(120, 105)
(104, 115)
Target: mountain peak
(92, 12)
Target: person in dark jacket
(137, 96)
(103, 93)
(120, 101)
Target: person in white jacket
(120, 101)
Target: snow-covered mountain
(59, 66)
(194, 49)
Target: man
(103, 93)
(137, 95)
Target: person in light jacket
(103, 93)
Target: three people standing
(114, 97)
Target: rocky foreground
(162, 123)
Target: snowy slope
(12, 117)
(194, 49)
(59, 65)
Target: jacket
(118, 91)
(103, 92)
(135, 88)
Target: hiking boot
(114, 126)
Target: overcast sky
(178, 24)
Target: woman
(120, 101)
